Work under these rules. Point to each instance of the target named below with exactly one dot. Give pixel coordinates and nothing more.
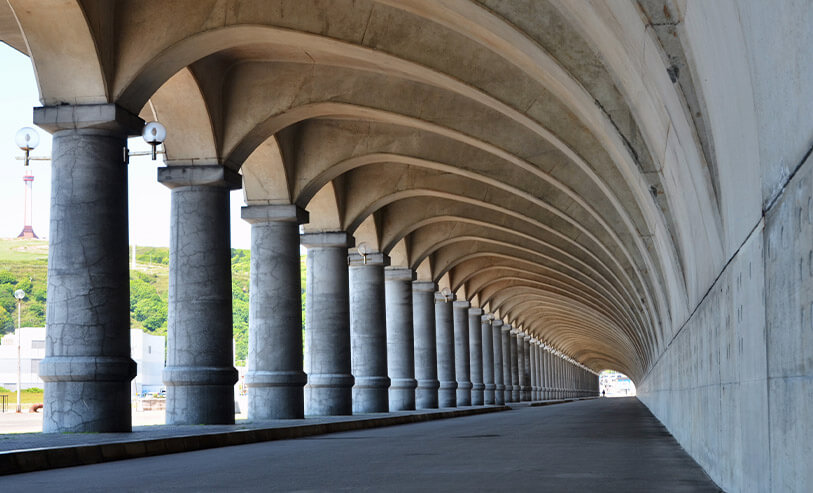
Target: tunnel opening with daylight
(608, 180)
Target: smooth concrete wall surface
(734, 382)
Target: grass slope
(24, 265)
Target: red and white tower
(28, 230)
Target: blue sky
(149, 200)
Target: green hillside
(24, 265)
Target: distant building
(146, 350)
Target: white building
(146, 350)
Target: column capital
(375, 258)
(341, 239)
(439, 297)
(461, 304)
(475, 312)
(288, 213)
(108, 117)
(497, 323)
(526, 337)
(507, 328)
(424, 286)
(211, 175)
(399, 274)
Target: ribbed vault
(516, 151)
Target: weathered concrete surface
(462, 372)
(489, 392)
(400, 342)
(275, 378)
(597, 445)
(423, 323)
(87, 367)
(368, 333)
(199, 372)
(476, 356)
(327, 325)
(444, 340)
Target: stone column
(426, 363)
(275, 378)
(546, 375)
(534, 371)
(368, 333)
(520, 377)
(525, 393)
(514, 367)
(461, 352)
(506, 362)
(499, 378)
(444, 332)
(400, 343)
(87, 367)
(327, 325)
(489, 387)
(200, 375)
(476, 357)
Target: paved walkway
(595, 445)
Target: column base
(87, 394)
(499, 395)
(370, 395)
(514, 396)
(478, 394)
(275, 395)
(464, 393)
(200, 395)
(489, 394)
(329, 394)
(426, 394)
(402, 394)
(447, 394)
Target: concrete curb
(560, 401)
(20, 461)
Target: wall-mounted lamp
(447, 294)
(27, 139)
(363, 250)
(154, 134)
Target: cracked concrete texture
(327, 325)
(275, 377)
(368, 334)
(400, 338)
(426, 361)
(87, 367)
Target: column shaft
(533, 371)
(506, 362)
(461, 352)
(520, 365)
(514, 368)
(489, 386)
(499, 375)
(327, 325)
(275, 378)
(87, 367)
(476, 357)
(426, 363)
(444, 333)
(525, 392)
(200, 375)
(368, 333)
(400, 342)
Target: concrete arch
(72, 63)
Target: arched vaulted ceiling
(544, 157)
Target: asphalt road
(596, 445)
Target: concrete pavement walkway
(594, 445)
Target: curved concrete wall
(734, 384)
